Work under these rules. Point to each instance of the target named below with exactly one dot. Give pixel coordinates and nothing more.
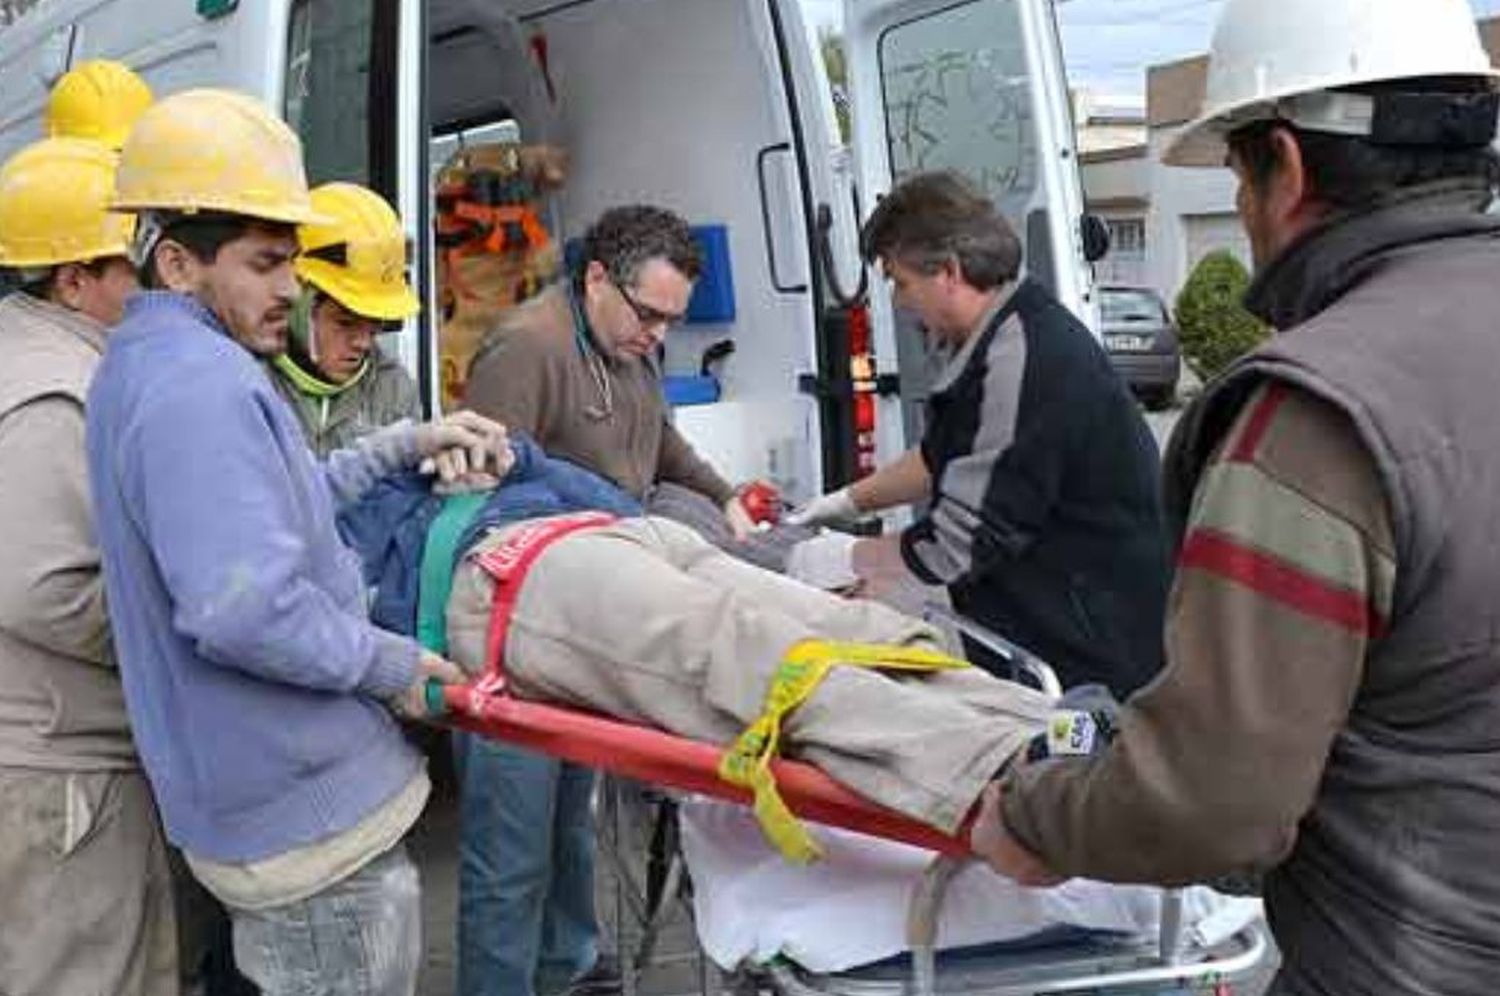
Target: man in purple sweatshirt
(260, 696)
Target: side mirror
(1095, 237)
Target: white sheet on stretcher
(850, 908)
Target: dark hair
(1348, 172)
(202, 234)
(624, 239)
(930, 218)
(41, 287)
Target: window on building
(1127, 236)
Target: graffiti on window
(954, 104)
(12, 10)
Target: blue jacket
(388, 526)
(253, 677)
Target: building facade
(1165, 219)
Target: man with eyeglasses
(575, 369)
(575, 366)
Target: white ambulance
(718, 109)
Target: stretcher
(651, 756)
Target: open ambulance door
(351, 77)
(833, 372)
(698, 106)
(975, 86)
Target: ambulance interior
(677, 103)
(721, 111)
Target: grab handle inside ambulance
(843, 298)
(772, 262)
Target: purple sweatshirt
(253, 678)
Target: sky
(1108, 44)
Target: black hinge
(886, 385)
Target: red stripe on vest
(1259, 424)
(1280, 581)
(508, 563)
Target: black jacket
(1046, 522)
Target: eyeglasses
(644, 313)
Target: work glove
(752, 506)
(460, 446)
(834, 508)
(826, 561)
(412, 703)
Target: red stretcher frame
(653, 756)
(485, 707)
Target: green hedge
(1212, 323)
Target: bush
(1212, 323)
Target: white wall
(1188, 213)
(1179, 196)
(1116, 179)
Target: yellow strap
(748, 760)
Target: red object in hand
(761, 501)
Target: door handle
(765, 218)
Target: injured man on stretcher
(640, 618)
(604, 608)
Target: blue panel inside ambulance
(713, 298)
(690, 389)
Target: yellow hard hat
(358, 257)
(53, 205)
(214, 150)
(100, 100)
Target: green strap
(436, 579)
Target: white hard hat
(1278, 59)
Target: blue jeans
(526, 922)
(359, 937)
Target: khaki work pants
(646, 621)
(85, 887)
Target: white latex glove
(412, 703)
(461, 444)
(826, 561)
(830, 509)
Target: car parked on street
(1141, 342)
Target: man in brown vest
(1330, 711)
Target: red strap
(507, 563)
(496, 218)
